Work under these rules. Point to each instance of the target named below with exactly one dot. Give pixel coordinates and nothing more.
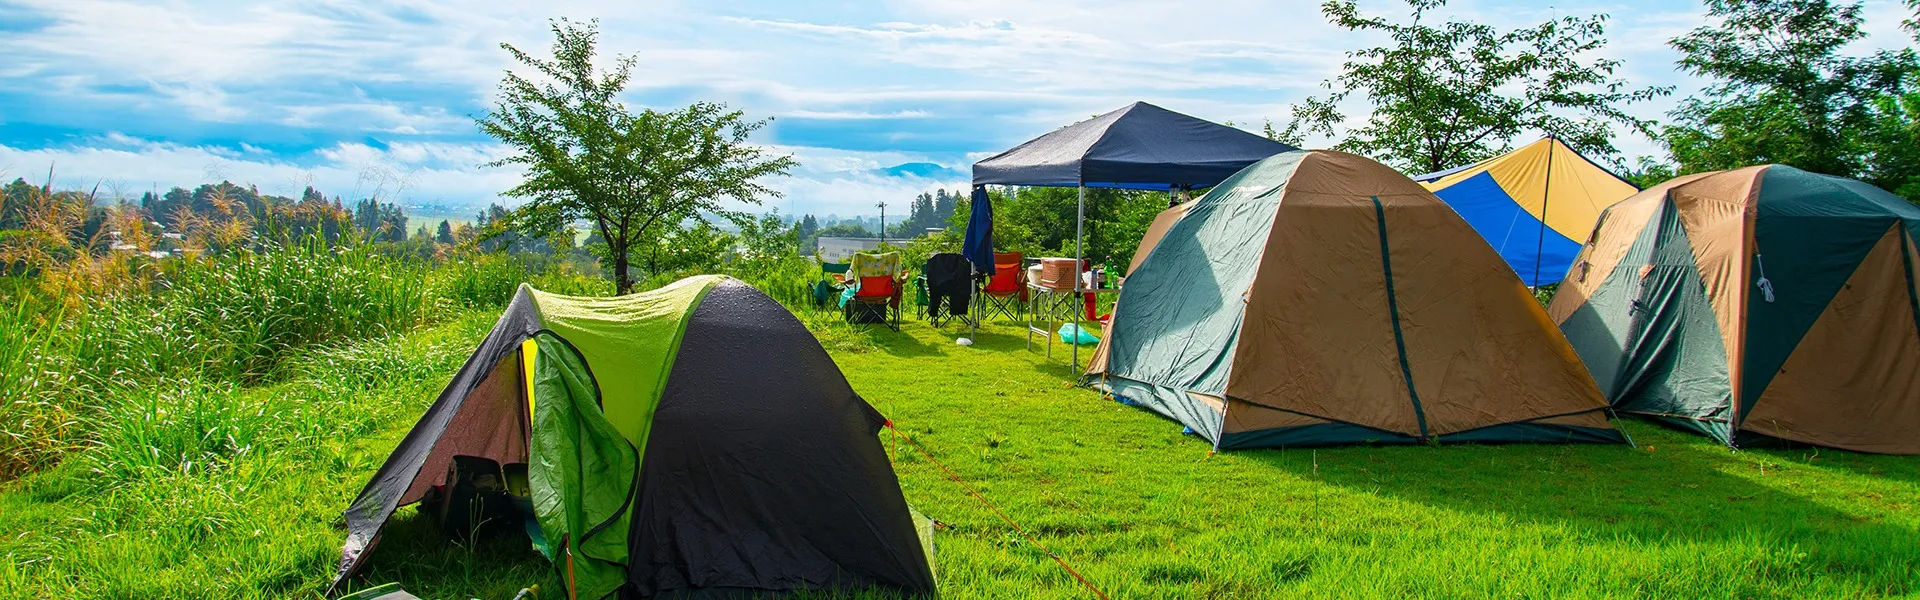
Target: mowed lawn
(1139, 508)
(1145, 512)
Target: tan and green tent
(1765, 302)
(1322, 298)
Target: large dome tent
(693, 439)
(1755, 305)
(1318, 298)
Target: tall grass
(483, 280)
(32, 423)
(137, 363)
(237, 316)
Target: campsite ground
(1122, 495)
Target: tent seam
(1906, 260)
(1393, 312)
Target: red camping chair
(877, 294)
(1006, 290)
(878, 297)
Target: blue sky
(361, 98)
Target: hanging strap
(999, 513)
(1766, 286)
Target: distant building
(842, 249)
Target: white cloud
(205, 102)
(828, 180)
(847, 115)
(406, 173)
(377, 95)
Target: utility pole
(883, 222)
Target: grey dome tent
(1139, 147)
(694, 439)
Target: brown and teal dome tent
(691, 439)
(1320, 298)
(1765, 302)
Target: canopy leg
(1079, 258)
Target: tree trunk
(622, 282)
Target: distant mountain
(923, 170)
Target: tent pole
(1079, 256)
(1546, 194)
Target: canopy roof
(1535, 204)
(1140, 146)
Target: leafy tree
(769, 236)
(1040, 221)
(1447, 94)
(13, 204)
(587, 156)
(1894, 136)
(806, 232)
(943, 204)
(445, 234)
(1648, 173)
(843, 230)
(380, 221)
(1784, 91)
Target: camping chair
(1006, 290)
(833, 280)
(949, 288)
(877, 297)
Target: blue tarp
(1535, 205)
(1141, 146)
(1539, 254)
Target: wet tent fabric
(793, 436)
(1765, 303)
(1140, 146)
(1535, 205)
(1321, 298)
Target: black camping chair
(949, 288)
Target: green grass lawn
(1139, 508)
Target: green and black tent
(691, 439)
(1764, 302)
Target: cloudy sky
(358, 98)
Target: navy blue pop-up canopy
(1140, 146)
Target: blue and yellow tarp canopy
(1536, 204)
